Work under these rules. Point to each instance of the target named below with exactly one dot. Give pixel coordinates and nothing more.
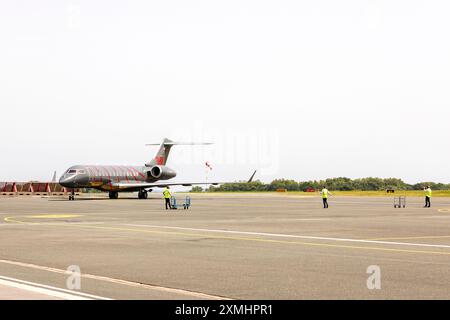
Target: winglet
(251, 178)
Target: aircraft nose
(66, 181)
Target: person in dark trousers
(167, 196)
(325, 193)
(428, 193)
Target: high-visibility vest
(166, 194)
(428, 192)
(325, 193)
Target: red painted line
(115, 174)
(124, 174)
(100, 174)
(97, 174)
(141, 174)
(109, 176)
(119, 174)
(134, 176)
(90, 173)
(137, 174)
(127, 174)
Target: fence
(34, 188)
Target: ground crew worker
(428, 193)
(325, 194)
(167, 196)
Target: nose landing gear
(72, 195)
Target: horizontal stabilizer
(164, 149)
(174, 143)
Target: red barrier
(29, 188)
(26, 187)
(9, 187)
(56, 187)
(40, 187)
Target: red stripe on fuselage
(118, 173)
(134, 175)
(139, 174)
(127, 173)
(99, 174)
(109, 176)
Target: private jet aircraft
(115, 179)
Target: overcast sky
(296, 89)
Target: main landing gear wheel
(114, 195)
(143, 194)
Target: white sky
(297, 89)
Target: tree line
(339, 184)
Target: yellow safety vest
(166, 194)
(325, 193)
(428, 192)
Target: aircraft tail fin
(164, 150)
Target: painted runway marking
(304, 219)
(270, 240)
(11, 219)
(17, 223)
(432, 217)
(54, 216)
(47, 290)
(290, 205)
(293, 236)
(197, 295)
(411, 238)
(286, 219)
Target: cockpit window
(76, 171)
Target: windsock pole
(208, 169)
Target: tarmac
(227, 246)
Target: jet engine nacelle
(161, 173)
